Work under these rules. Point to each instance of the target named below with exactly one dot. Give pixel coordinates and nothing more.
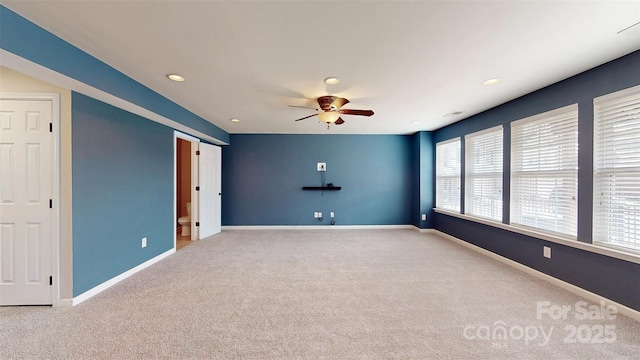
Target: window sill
(618, 254)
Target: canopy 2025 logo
(584, 332)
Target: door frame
(194, 175)
(55, 215)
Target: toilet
(185, 222)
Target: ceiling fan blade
(306, 117)
(339, 121)
(356, 112)
(339, 102)
(304, 107)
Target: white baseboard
(622, 309)
(64, 303)
(317, 227)
(109, 283)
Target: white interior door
(26, 195)
(209, 181)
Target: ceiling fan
(331, 107)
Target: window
(483, 173)
(544, 171)
(616, 170)
(448, 174)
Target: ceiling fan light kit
(329, 116)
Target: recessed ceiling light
(235, 120)
(453, 113)
(331, 80)
(175, 77)
(491, 82)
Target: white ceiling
(407, 61)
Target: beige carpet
(335, 294)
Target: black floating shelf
(322, 188)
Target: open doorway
(185, 196)
(197, 193)
(183, 192)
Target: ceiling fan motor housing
(329, 103)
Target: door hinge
(51, 127)
(50, 280)
(197, 188)
(50, 203)
(197, 223)
(197, 152)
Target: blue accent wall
(25, 39)
(263, 176)
(615, 279)
(122, 191)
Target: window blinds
(544, 171)
(616, 208)
(483, 173)
(448, 174)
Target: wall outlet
(333, 214)
(546, 252)
(322, 166)
(144, 242)
(424, 216)
(315, 215)
(319, 215)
